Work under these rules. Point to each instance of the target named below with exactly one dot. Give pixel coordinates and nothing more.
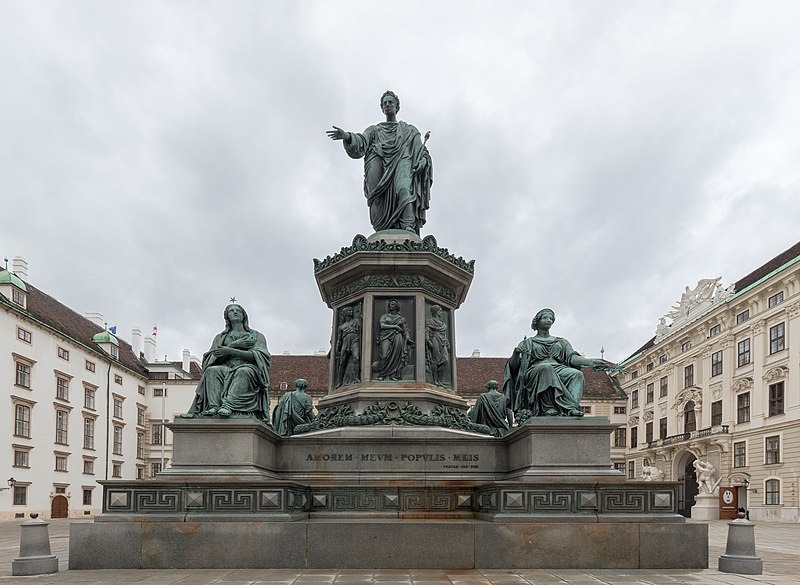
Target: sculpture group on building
(705, 476)
(398, 171)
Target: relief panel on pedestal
(347, 367)
(438, 344)
(393, 334)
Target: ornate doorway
(59, 507)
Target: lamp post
(11, 483)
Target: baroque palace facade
(82, 405)
(721, 384)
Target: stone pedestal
(706, 507)
(740, 551)
(34, 550)
(364, 278)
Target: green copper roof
(8, 277)
(105, 337)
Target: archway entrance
(687, 489)
(59, 507)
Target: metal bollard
(34, 550)
(740, 551)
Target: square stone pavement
(778, 545)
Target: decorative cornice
(776, 374)
(361, 244)
(742, 384)
(388, 281)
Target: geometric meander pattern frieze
(516, 499)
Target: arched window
(772, 492)
(689, 419)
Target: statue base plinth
(360, 396)
(706, 507)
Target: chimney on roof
(476, 353)
(96, 318)
(150, 349)
(186, 354)
(136, 341)
(19, 266)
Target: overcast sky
(158, 158)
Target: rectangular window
(715, 330)
(634, 437)
(743, 316)
(155, 468)
(63, 353)
(17, 298)
(140, 473)
(157, 436)
(648, 432)
(635, 399)
(686, 346)
(776, 399)
(24, 335)
(620, 437)
(772, 450)
(716, 413)
(87, 497)
(743, 408)
(21, 458)
(22, 421)
(775, 300)
(740, 454)
(62, 388)
(716, 363)
(688, 376)
(20, 495)
(140, 417)
(61, 463)
(586, 409)
(620, 410)
(141, 390)
(117, 408)
(663, 359)
(650, 390)
(23, 375)
(772, 492)
(743, 352)
(116, 470)
(777, 338)
(663, 387)
(140, 445)
(88, 398)
(631, 469)
(88, 467)
(649, 367)
(117, 440)
(662, 428)
(62, 426)
(90, 366)
(158, 392)
(620, 467)
(88, 433)
(634, 374)
(117, 379)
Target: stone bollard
(740, 552)
(34, 550)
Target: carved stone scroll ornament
(776, 374)
(428, 244)
(392, 413)
(742, 384)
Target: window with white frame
(23, 377)
(631, 469)
(24, 335)
(716, 363)
(777, 338)
(62, 426)
(775, 300)
(743, 316)
(90, 367)
(62, 388)
(61, 463)
(776, 399)
(740, 454)
(22, 421)
(715, 330)
(117, 440)
(22, 457)
(663, 387)
(88, 397)
(772, 450)
(688, 376)
(140, 445)
(743, 352)
(117, 407)
(157, 434)
(63, 353)
(88, 432)
(772, 492)
(743, 408)
(650, 391)
(88, 466)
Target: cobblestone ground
(778, 545)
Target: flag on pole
(155, 330)
(112, 330)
